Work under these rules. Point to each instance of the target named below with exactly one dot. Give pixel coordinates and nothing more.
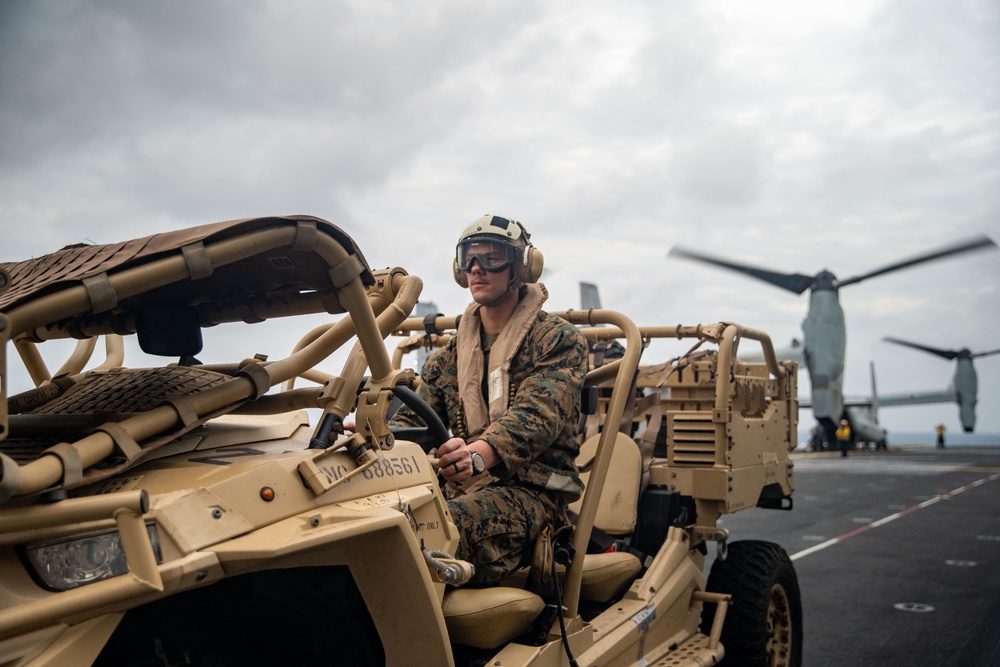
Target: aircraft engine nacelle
(864, 426)
(966, 386)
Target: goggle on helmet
(497, 243)
(492, 255)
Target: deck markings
(892, 517)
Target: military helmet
(510, 237)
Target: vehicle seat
(489, 617)
(617, 512)
(607, 575)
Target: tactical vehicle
(216, 514)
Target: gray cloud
(842, 137)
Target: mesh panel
(130, 390)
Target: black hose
(561, 555)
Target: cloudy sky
(789, 135)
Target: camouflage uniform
(536, 440)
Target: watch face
(477, 462)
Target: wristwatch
(478, 465)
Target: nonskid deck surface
(897, 554)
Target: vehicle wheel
(763, 626)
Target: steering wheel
(429, 436)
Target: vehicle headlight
(60, 565)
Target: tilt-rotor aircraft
(824, 330)
(964, 387)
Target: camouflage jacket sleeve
(536, 437)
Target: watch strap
(478, 464)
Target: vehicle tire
(763, 627)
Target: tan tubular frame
(624, 370)
(391, 314)
(39, 373)
(725, 335)
(34, 316)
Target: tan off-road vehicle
(216, 514)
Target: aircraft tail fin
(589, 296)
(874, 394)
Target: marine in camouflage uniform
(531, 377)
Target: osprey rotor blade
(793, 282)
(947, 354)
(967, 245)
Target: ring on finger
(454, 464)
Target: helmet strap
(511, 287)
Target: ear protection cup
(460, 277)
(531, 269)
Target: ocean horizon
(929, 439)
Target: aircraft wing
(894, 400)
(793, 353)
(916, 398)
(805, 402)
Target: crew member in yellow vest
(940, 430)
(844, 437)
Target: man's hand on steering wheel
(454, 460)
(458, 461)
